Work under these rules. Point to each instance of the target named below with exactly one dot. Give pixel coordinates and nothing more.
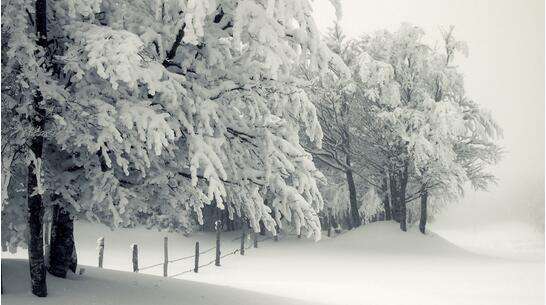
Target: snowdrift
(107, 287)
(386, 238)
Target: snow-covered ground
(514, 240)
(376, 264)
(108, 287)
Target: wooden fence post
(196, 268)
(217, 260)
(243, 236)
(255, 236)
(135, 258)
(165, 255)
(100, 243)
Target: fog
(504, 72)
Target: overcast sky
(504, 73)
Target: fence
(197, 264)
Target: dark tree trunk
(228, 223)
(402, 199)
(355, 217)
(348, 221)
(35, 217)
(262, 228)
(386, 200)
(394, 199)
(423, 219)
(335, 224)
(35, 203)
(210, 215)
(62, 249)
(328, 223)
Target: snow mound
(387, 238)
(108, 287)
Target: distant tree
(401, 122)
(335, 98)
(372, 205)
(418, 98)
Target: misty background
(504, 72)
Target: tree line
(173, 114)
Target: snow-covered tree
(335, 98)
(372, 205)
(421, 107)
(151, 110)
(400, 122)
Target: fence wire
(232, 252)
(149, 267)
(182, 258)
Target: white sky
(504, 73)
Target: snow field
(376, 264)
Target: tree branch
(176, 44)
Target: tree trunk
(336, 225)
(328, 223)
(402, 199)
(262, 228)
(35, 217)
(62, 249)
(395, 205)
(386, 199)
(348, 221)
(277, 227)
(35, 201)
(387, 207)
(423, 219)
(355, 217)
